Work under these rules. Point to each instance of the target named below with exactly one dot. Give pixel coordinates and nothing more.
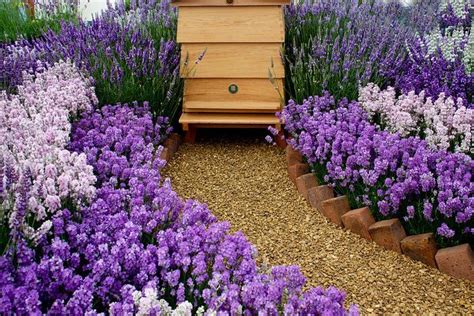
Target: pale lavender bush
(148, 302)
(449, 124)
(443, 123)
(34, 128)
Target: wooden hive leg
(280, 138)
(190, 136)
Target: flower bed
(429, 190)
(444, 123)
(336, 45)
(456, 261)
(405, 151)
(133, 246)
(39, 173)
(88, 223)
(130, 54)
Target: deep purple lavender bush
(337, 46)
(441, 57)
(14, 60)
(435, 75)
(429, 190)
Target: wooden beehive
(242, 43)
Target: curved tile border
(457, 261)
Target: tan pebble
(245, 182)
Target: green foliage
(336, 45)
(15, 22)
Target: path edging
(170, 146)
(456, 261)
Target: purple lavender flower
(131, 55)
(338, 45)
(436, 75)
(394, 176)
(139, 239)
(445, 231)
(269, 139)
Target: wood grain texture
(231, 60)
(249, 90)
(262, 24)
(228, 118)
(30, 7)
(198, 3)
(231, 107)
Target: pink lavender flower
(35, 126)
(444, 123)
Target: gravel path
(244, 181)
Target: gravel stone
(245, 181)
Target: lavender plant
(130, 54)
(16, 59)
(454, 13)
(444, 123)
(337, 45)
(468, 58)
(429, 190)
(421, 16)
(436, 75)
(17, 22)
(40, 175)
(440, 59)
(139, 248)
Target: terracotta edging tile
(358, 221)
(334, 208)
(457, 261)
(296, 170)
(306, 182)
(420, 247)
(318, 194)
(388, 234)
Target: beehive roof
(190, 3)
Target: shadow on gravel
(231, 135)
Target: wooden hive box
(242, 42)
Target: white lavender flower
(445, 123)
(450, 44)
(468, 58)
(460, 7)
(149, 300)
(452, 41)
